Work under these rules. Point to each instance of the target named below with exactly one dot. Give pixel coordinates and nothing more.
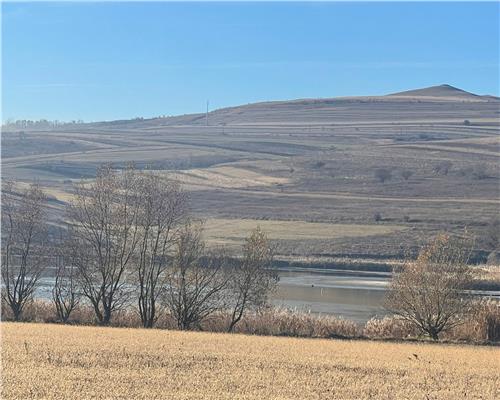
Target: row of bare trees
(129, 237)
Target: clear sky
(103, 61)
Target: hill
(301, 161)
(56, 362)
(412, 105)
(435, 103)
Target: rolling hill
(436, 103)
(301, 161)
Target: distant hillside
(432, 104)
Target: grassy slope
(51, 361)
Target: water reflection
(352, 296)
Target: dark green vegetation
(306, 160)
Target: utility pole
(207, 114)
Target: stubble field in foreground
(63, 362)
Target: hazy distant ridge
(435, 103)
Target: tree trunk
(107, 315)
(234, 320)
(17, 311)
(433, 333)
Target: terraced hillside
(406, 165)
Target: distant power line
(206, 115)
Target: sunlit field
(233, 231)
(70, 362)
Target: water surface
(355, 296)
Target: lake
(352, 295)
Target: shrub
(443, 168)
(479, 172)
(493, 258)
(428, 292)
(406, 174)
(318, 164)
(482, 326)
(382, 174)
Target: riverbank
(483, 326)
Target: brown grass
(483, 326)
(226, 176)
(271, 321)
(62, 362)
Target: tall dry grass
(389, 327)
(282, 322)
(480, 327)
(270, 321)
(483, 326)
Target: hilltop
(444, 92)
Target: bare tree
(443, 167)
(24, 245)
(479, 172)
(382, 174)
(406, 174)
(104, 236)
(163, 208)
(428, 292)
(65, 293)
(196, 282)
(251, 279)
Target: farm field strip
(449, 149)
(368, 198)
(226, 177)
(224, 230)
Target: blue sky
(103, 61)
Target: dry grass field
(223, 231)
(69, 362)
(226, 177)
